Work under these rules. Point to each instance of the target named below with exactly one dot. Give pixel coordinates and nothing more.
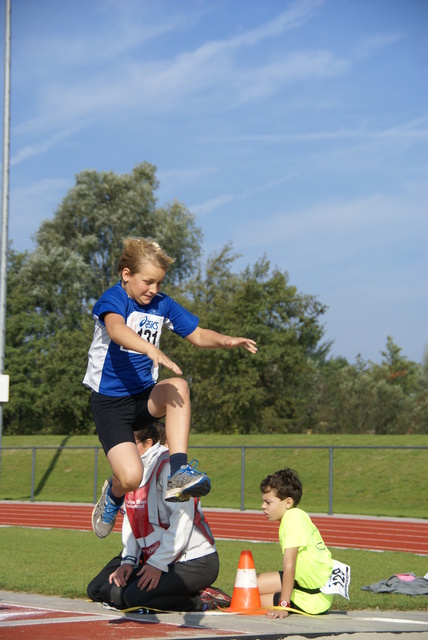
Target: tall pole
(4, 199)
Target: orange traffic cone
(246, 595)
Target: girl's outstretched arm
(208, 339)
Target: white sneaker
(187, 483)
(104, 513)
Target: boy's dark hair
(285, 483)
(155, 431)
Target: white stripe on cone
(246, 578)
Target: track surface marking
(28, 623)
(378, 534)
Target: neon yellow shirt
(314, 563)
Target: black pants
(178, 588)
(99, 589)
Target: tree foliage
(290, 385)
(386, 398)
(77, 250)
(233, 391)
(51, 291)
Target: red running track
(377, 534)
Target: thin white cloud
(334, 230)
(373, 43)
(295, 16)
(45, 145)
(412, 129)
(265, 80)
(89, 49)
(207, 74)
(171, 179)
(212, 204)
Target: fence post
(242, 478)
(33, 474)
(330, 482)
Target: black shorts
(293, 605)
(116, 418)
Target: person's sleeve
(176, 538)
(112, 301)
(131, 549)
(180, 320)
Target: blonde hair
(138, 251)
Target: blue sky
(293, 129)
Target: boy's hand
(276, 613)
(249, 345)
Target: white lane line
(28, 623)
(397, 620)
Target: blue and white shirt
(115, 371)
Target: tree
(420, 406)
(289, 386)
(232, 391)
(384, 398)
(51, 291)
(77, 250)
(24, 345)
(397, 391)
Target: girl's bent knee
(182, 388)
(178, 384)
(129, 480)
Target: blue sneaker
(104, 513)
(187, 483)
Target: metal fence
(243, 451)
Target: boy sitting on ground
(307, 563)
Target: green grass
(364, 480)
(57, 562)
